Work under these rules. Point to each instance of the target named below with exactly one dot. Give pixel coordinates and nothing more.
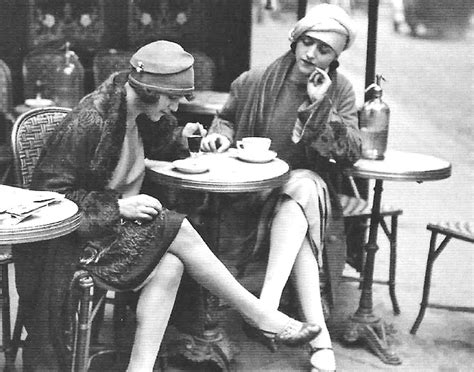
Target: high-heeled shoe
(314, 350)
(295, 333)
(258, 335)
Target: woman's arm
(332, 129)
(66, 165)
(221, 133)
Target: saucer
(256, 157)
(38, 102)
(190, 165)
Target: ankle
(322, 341)
(272, 321)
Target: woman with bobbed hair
(308, 110)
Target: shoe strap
(292, 327)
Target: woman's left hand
(318, 85)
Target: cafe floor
(444, 342)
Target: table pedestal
(212, 343)
(364, 325)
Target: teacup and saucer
(255, 150)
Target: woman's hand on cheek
(139, 207)
(318, 85)
(215, 143)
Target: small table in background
(49, 222)
(226, 174)
(396, 166)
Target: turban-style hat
(163, 66)
(328, 23)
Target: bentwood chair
(448, 230)
(355, 210)
(29, 135)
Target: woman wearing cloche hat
(308, 110)
(127, 240)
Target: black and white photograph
(236, 185)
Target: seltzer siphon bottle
(374, 120)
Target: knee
(170, 271)
(187, 233)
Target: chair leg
(393, 265)
(6, 323)
(80, 360)
(432, 255)
(16, 338)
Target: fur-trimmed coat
(78, 161)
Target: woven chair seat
(357, 207)
(461, 230)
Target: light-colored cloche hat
(328, 23)
(163, 66)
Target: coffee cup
(254, 144)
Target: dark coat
(331, 133)
(78, 161)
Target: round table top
(53, 221)
(205, 102)
(402, 166)
(227, 174)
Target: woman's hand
(215, 143)
(193, 128)
(139, 207)
(318, 85)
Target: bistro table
(396, 166)
(52, 221)
(227, 174)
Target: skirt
(124, 263)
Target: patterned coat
(78, 161)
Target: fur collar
(109, 102)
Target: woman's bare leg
(306, 280)
(289, 228)
(154, 307)
(211, 273)
(290, 253)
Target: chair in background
(354, 207)
(458, 230)
(204, 71)
(30, 133)
(109, 61)
(52, 74)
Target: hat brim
(335, 40)
(181, 83)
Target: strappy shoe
(314, 351)
(295, 333)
